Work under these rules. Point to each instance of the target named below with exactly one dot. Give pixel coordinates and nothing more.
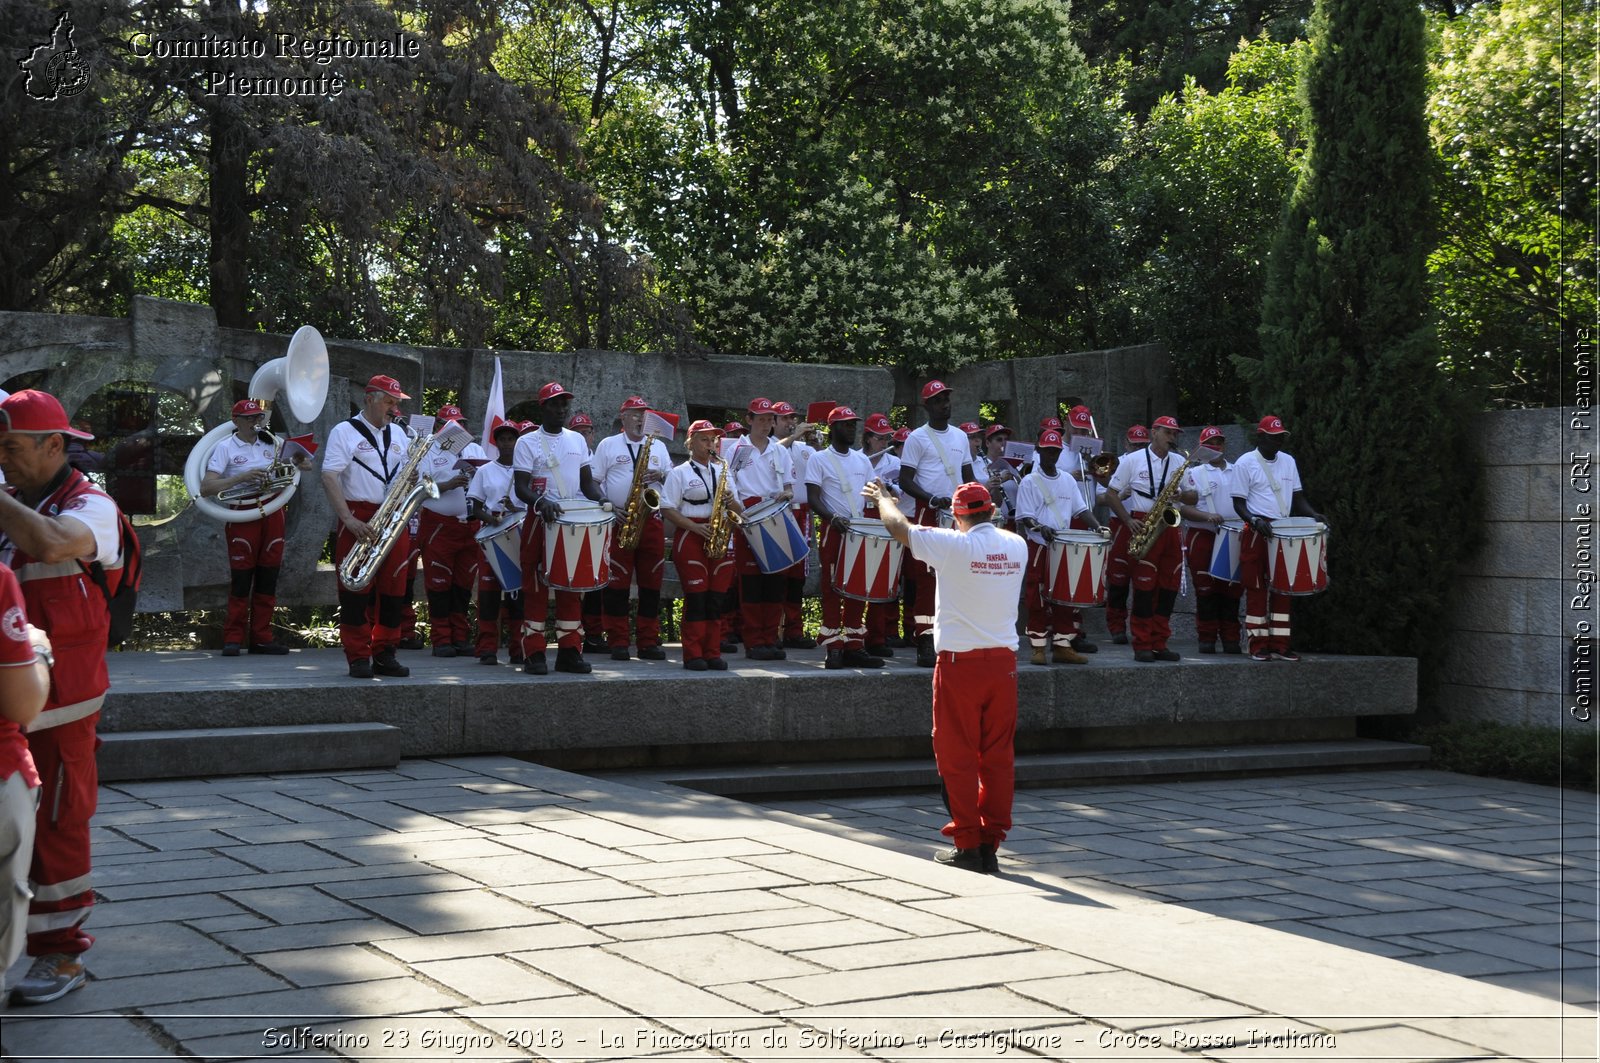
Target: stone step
(171, 754)
(1045, 769)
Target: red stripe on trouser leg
(65, 760)
(1260, 601)
(845, 616)
(974, 727)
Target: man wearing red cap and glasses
(980, 569)
(450, 553)
(1266, 487)
(359, 465)
(936, 459)
(255, 547)
(616, 465)
(55, 526)
(1159, 573)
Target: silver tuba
(302, 376)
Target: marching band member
(583, 424)
(974, 433)
(1047, 502)
(594, 640)
(1216, 601)
(551, 466)
(834, 480)
(882, 617)
(361, 459)
(1080, 423)
(409, 638)
(1266, 487)
(793, 435)
(255, 547)
(450, 554)
(1118, 572)
(763, 470)
(1158, 575)
(993, 471)
(935, 462)
(491, 497)
(615, 464)
(687, 499)
(898, 446)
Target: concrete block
(1550, 492)
(1505, 492)
(1490, 604)
(1527, 549)
(1506, 661)
(1519, 437)
(244, 750)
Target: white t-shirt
(440, 465)
(937, 457)
(1216, 492)
(554, 461)
(886, 467)
(761, 472)
(492, 485)
(1253, 480)
(979, 583)
(231, 457)
(615, 459)
(800, 455)
(690, 487)
(365, 472)
(1147, 474)
(841, 497)
(1050, 500)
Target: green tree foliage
(1214, 171)
(1514, 113)
(1349, 355)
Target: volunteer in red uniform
(551, 466)
(1159, 573)
(883, 618)
(1119, 574)
(615, 463)
(363, 456)
(25, 656)
(255, 547)
(763, 470)
(1216, 601)
(687, 498)
(491, 498)
(1047, 502)
(834, 479)
(792, 433)
(936, 459)
(54, 523)
(450, 554)
(980, 567)
(1266, 487)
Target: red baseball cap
(248, 408)
(703, 425)
(879, 425)
(972, 428)
(1272, 425)
(760, 406)
(783, 409)
(1052, 423)
(579, 420)
(32, 412)
(1079, 417)
(994, 430)
(934, 387)
(902, 434)
(634, 402)
(969, 499)
(449, 412)
(514, 427)
(550, 391)
(524, 427)
(842, 413)
(1138, 434)
(388, 385)
(733, 428)
(1170, 423)
(1049, 438)
(1208, 433)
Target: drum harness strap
(1272, 482)
(853, 500)
(944, 456)
(383, 451)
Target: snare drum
(502, 549)
(1077, 569)
(774, 536)
(1225, 557)
(868, 566)
(577, 547)
(1297, 556)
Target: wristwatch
(44, 653)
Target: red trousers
(62, 897)
(1266, 613)
(255, 553)
(923, 591)
(883, 621)
(704, 582)
(844, 625)
(1156, 579)
(974, 725)
(536, 597)
(646, 563)
(1048, 623)
(450, 562)
(795, 583)
(761, 595)
(1118, 576)
(1216, 601)
(363, 633)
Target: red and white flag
(494, 413)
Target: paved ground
(485, 908)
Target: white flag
(494, 413)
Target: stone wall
(180, 348)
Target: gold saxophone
(1163, 514)
(642, 501)
(360, 566)
(720, 525)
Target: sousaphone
(302, 376)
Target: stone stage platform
(173, 714)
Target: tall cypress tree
(1349, 354)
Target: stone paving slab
(617, 937)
